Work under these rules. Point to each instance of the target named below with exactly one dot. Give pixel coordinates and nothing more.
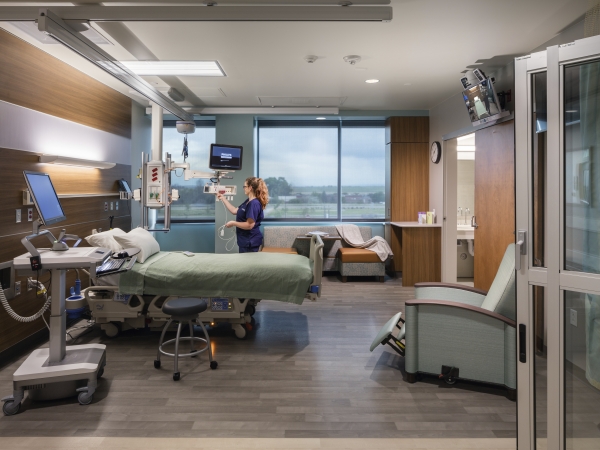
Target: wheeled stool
(184, 310)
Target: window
(319, 170)
(193, 204)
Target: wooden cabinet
(408, 146)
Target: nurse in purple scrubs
(249, 214)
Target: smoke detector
(310, 58)
(352, 59)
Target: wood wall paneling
(494, 200)
(407, 129)
(422, 259)
(83, 215)
(36, 80)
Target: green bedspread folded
(265, 276)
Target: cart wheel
(112, 329)
(450, 380)
(100, 372)
(240, 332)
(10, 408)
(214, 365)
(157, 364)
(176, 376)
(250, 309)
(84, 398)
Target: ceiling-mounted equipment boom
(51, 24)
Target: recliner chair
(458, 331)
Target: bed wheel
(111, 329)
(240, 331)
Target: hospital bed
(232, 284)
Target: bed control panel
(221, 304)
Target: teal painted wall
(234, 130)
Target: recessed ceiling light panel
(372, 81)
(175, 68)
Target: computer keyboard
(110, 265)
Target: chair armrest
(451, 286)
(451, 304)
(458, 293)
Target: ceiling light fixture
(321, 118)
(63, 160)
(373, 81)
(175, 68)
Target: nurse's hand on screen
(230, 224)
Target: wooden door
(494, 199)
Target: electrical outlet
(573, 317)
(29, 284)
(112, 206)
(18, 216)
(29, 214)
(117, 206)
(17, 288)
(105, 206)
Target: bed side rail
(316, 256)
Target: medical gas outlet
(154, 184)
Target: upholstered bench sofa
(337, 255)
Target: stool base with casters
(184, 310)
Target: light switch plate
(18, 216)
(573, 317)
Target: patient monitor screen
(44, 197)
(225, 157)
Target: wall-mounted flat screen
(225, 157)
(44, 197)
(482, 102)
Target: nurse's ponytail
(261, 192)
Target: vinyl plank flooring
(305, 375)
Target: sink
(465, 232)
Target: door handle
(522, 343)
(473, 222)
(521, 248)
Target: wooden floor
(305, 372)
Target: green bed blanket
(265, 276)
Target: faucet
(467, 212)
(459, 214)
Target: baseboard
(23, 347)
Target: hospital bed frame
(115, 311)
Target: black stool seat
(184, 307)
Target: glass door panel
(540, 367)
(582, 370)
(581, 133)
(538, 158)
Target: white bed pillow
(141, 239)
(106, 239)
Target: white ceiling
(418, 56)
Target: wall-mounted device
(124, 190)
(482, 102)
(465, 82)
(479, 75)
(7, 279)
(27, 198)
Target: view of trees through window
(193, 203)
(303, 164)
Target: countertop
(415, 225)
